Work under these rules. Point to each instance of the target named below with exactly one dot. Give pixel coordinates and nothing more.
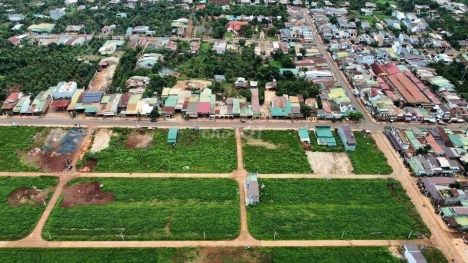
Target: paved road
(202, 123)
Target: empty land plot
(274, 152)
(101, 140)
(207, 151)
(209, 254)
(22, 204)
(325, 209)
(147, 209)
(368, 159)
(329, 163)
(15, 143)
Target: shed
(413, 254)
(172, 135)
(304, 135)
(347, 137)
(252, 191)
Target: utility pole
(412, 233)
(204, 235)
(48, 233)
(342, 235)
(274, 236)
(122, 236)
(44, 202)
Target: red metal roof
(59, 103)
(13, 97)
(204, 107)
(391, 68)
(407, 88)
(378, 69)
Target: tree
(154, 114)
(305, 110)
(218, 32)
(356, 116)
(288, 74)
(303, 51)
(272, 31)
(247, 30)
(242, 42)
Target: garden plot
(206, 151)
(23, 204)
(15, 143)
(274, 152)
(146, 209)
(317, 209)
(329, 162)
(57, 150)
(203, 254)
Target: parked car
(93, 132)
(69, 168)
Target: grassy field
(152, 209)
(274, 152)
(322, 148)
(323, 209)
(19, 221)
(14, 141)
(367, 159)
(219, 254)
(434, 255)
(209, 152)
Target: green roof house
(325, 136)
(172, 135)
(304, 135)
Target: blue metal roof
(92, 97)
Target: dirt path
(36, 234)
(440, 237)
(240, 175)
(221, 243)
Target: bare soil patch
(220, 254)
(139, 140)
(192, 84)
(89, 166)
(53, 141)
(329, 162)
(27, 196)
(85, 194)
(101, 140)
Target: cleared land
(146, 209)
(101, 140)
(329, 163)
(368, 159)
(206, 151)
(23, 203)
(16, 142)
(232, 255)
(274, 152)
(323, 209)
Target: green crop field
(18, 221)
(218, 254)
(330, 209)
(274, 152)
(367, 159)
(152, 209)
(15, 141)
(206, 152)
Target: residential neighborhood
(227, 128)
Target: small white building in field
(252, 191)
(413, 254)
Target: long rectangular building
(407, 89)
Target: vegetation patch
(274, 152)
(23, 199)
(368, 159)
(207, 151)
(17, 141)
(434, 255)
(333, 209)
(212, 254)
(151, 209)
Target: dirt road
(440, 237)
